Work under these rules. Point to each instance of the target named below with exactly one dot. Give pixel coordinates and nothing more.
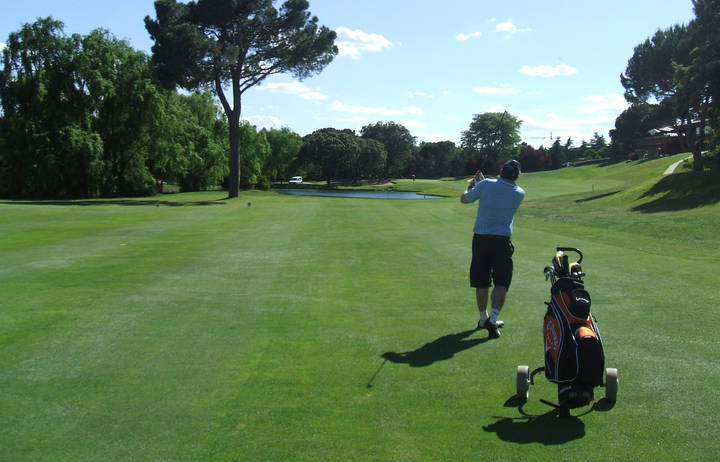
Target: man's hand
(463, 199)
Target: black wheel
(523, 382)
(611, 384)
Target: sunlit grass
(191, 327)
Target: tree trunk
(697, 158)
(233, 117)
(695, 139)
(234, 181)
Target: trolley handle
(572, 249)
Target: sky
(431, 66)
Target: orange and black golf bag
(574, 357)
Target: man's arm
(478, 179)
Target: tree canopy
(82, 116)
(493, 134)
(330, 150)
(398, 141)
(672, 79)
(236, 44)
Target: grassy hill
(190, 327)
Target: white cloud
(377, 111)
(293, 88)
(265, 121)
(496, 90)
(413, 94)
(609, 103)
(463, 37)
(509, 27)
(432, 137)
(548, 71)
(353, 42)
(313, 95)
(537, 129)
(411, 123)
(495, 108)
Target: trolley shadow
(546, 429)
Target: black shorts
(491, 260)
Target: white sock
(494, 315)
(483, 317)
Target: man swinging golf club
(492, 250)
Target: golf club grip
(571, 249)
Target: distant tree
(236, 43)
(372, 158)
(634, 122)
(330, 150)
(598, 141)
(434, 159)
(83, 116)
(659, 70)
(170, 142)
(255, 150)
(533, 160)
(702, 75)
(124, 102)
(76, 114)
(398, 141)
(284, 148)
(43, 121)
(493, 134)
(208, 150)
(558, 155)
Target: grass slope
(198, 328)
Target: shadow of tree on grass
(124, 202)
(440, 349)
(682, 191)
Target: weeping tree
(236, 44)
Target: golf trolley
(574, 357)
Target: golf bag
(574, 357)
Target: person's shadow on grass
(439, 349)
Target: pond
(358, 194)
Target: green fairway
(190, 327)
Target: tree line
(88, 116)
(83, 116)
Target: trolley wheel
(523, 382)
(611, 384)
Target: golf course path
(671, 169)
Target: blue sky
(432, 65)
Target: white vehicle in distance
(295, 180)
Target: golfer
(499, 199)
